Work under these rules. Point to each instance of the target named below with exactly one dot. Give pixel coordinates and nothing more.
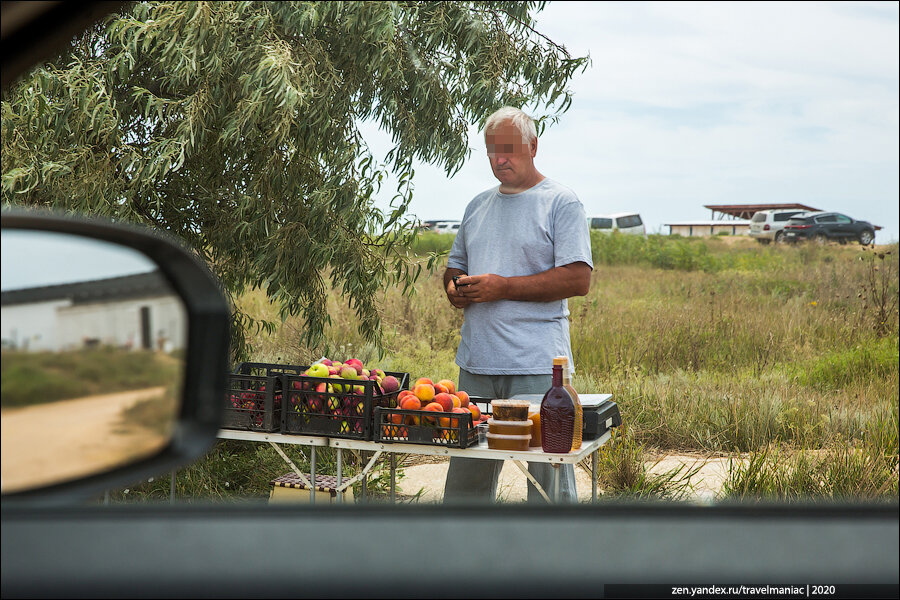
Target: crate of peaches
(337, 399)
(435, 414)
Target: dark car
(827, 226)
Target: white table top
(480, 451)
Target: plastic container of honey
(510, 410)
(510, 427)
(535, 418)
(498, 441)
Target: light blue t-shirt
(512, 235)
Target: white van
(446, 227)
(624, 222)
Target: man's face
(512, 159)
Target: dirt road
(61, 440)
(428, 479)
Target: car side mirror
(114, 356)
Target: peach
(403, 394)
(396, 418)
(434, 407)
(476, 412)
(463, 398)
(445, 422)
(440, 389)
(422, 380)
(411, 420)
(457, 403)
(410, 403)
(463, 411)
(451, 387)
(424, 392)
(445, 400)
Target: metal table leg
(556, 483)
(312, 473)
(337, 498)
(595, 456)
(393, 478)
(362, 493)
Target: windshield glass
(294, 146)
(629, 221)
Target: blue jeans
(471, 479)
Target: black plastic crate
(268, 369)
(253, 402)
(428, 427)
(342, 408)
(255, 392)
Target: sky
(687, 104)
(37, 258)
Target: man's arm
(557, 283)
(453, 295)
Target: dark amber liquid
(557, 417)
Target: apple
(317, 370)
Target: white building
(135, 311)
(707, 228)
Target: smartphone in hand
(457, 283)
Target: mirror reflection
(93, 346)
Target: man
(527, 247)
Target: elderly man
(522, 249)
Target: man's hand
(454, 294)
(483, 288)
(558, 283)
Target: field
(784, 358)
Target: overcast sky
(38, 258)
(688, 104)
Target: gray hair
(523, 122)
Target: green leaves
(234, 125)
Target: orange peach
(396, 418)
(451, 387)
(441, 388)
(445, 400)
(411, 420)
(422, 380)
(403, 394)
(463, 398)
(457, 403)
(410, 403)
(476, 412)
(424, 392)
(435, 407)
(462, 411)
(448, 422)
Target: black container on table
(254, 396)
(342, 408)
(456, 431)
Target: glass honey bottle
(557, 416)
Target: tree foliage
(235, 126)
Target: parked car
(827, 226)
(446, 227)
(624, 222)
(768, 225)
